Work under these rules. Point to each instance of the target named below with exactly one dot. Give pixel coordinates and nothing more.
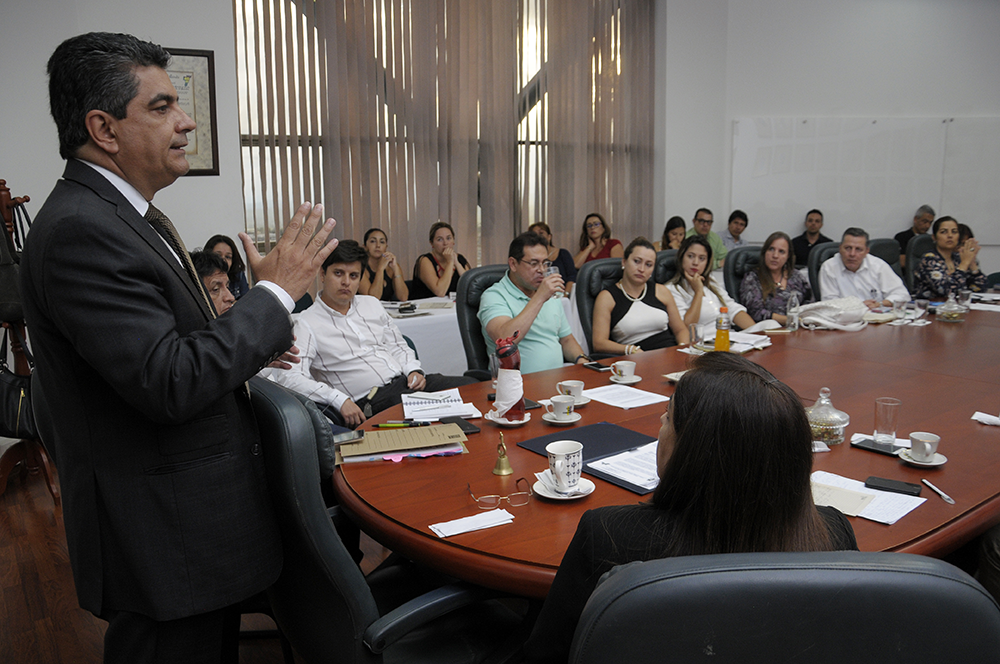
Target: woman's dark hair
(238, 264)
(767, 285)
(738, 477)
(368, 234)
(436, 226)
(679, 276)
(635, 244)
(584, 238)
(95, 71)
(964, 233)
(941, 220)
(540, 224)
(672, 223)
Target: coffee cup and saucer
(559, 411)
(573, 388)
(562, 480)
(923, 450)
(623, 373)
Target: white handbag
(842, 313)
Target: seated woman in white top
(697, 295)
(631, 316)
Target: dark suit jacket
(142, 401)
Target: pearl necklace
(633, 299)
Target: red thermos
(510, 358)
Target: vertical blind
(485, 114)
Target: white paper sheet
(487, 519)
(636, 466)
(887, 507)
(623, 396)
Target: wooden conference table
(943, 373)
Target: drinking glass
(921, 308)
(552, 269)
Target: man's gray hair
(924, 210)
(856, 232)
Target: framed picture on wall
(193, 74)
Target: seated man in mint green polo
(523, 302)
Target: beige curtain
(400, 113)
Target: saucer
(585, 486)
(579, 402)
(938, 460)
(491, 415)
(631, 380)
(548, 417)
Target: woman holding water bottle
(768, 291)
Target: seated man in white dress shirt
(354, 359)
(853, 272)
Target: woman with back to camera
(673, 234)
(382, 277)
(951, 267)
(596, 241)
(224, 247)
(766, 289)
(436, 273)
(560, 258)
(633, 316)
(697, 295)
(732, 434)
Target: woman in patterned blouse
(951, 267)
(765, 291)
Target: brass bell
(502, 466)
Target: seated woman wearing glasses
(725, 407)
(765, 290)
(436, 274)
(633, 316)
(697, 295)
(596, 242)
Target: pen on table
(420, 422)
(401, 425)
(945, 497)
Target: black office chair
(992, 279)
(591, 279)
(470, 289)
(915, 250)
(887, 249)
(821, 252)
(739, 261)
(789, 607)
(321, 601)
(666, 265)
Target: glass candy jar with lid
(951, 311)
(827, 423)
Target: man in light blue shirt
(523, 302)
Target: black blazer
(144, 408)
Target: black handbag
(10, 290)
(16, 417)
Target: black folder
(599, 440)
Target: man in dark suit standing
(139, 388)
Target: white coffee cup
(561, 407)
(573, 388)
(565, 464)
(923, 445)
(623, 369)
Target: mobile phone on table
(896, 486)
(349, 437)
(882, 448)
(597, 366)
(465, 425)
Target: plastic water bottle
(792, 311)
(722, 325)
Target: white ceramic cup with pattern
(565, 464)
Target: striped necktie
(162, 224)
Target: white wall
(29, 153)
(786, 58)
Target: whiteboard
(868, 172)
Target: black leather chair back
(888, 250)
(321, 600)
(788, 607)
(915, 250)
(739, 261)
(666, 265)
(821, 252)
(591, 279)
(470, 289)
